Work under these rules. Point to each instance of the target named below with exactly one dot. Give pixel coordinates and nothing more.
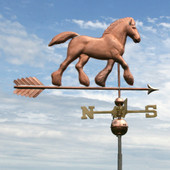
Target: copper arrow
(35, 84)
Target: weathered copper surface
(27, 82)
(109, 47)
(118, 78)
(32, 87)
(119, 127)
(80, 88)
(119, 101)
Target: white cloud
(21, 47)
(139, 23)
(164, 24)
(150, 28)
(166, 17)
(49, 129)
(65, 45)
(110, 19)
(164, 126)
(166, 42)
(29, 131)
(90, 24)
(152, 20)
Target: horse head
(132, 31)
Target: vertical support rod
(118, 72)
(119, 153)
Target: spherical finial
(119, 101)
(119, 127)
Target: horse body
(109, 47)
(97, 48)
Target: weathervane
(109, 47)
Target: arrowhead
(151, 89)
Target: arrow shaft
(77, 88)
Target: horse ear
(130, 22)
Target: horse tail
(62, 37)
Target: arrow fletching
(27, 82)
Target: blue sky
(47, 132)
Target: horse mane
(114, 24)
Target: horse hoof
(56, 79)
(128, 77)
(85, 83)
(83, 79)
(129, 80)
(55, 82)
(99, 82)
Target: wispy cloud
(152, 20)
(50, 129)
(90, 24)
(166, 17)
(164, 24)
(20, 47)
(141, 25)
(151, 29)
(32, 131)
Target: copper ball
(119, 127)
(119, 101)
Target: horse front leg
(83, 78)
(102, 75)
(57, 75)
(127, 74)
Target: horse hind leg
(57, 75)
(83, 78)
(102, 75)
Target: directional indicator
(118, 111)
(147, 110)
(32, 87)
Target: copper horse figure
(109, 47)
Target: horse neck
(119, 33)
